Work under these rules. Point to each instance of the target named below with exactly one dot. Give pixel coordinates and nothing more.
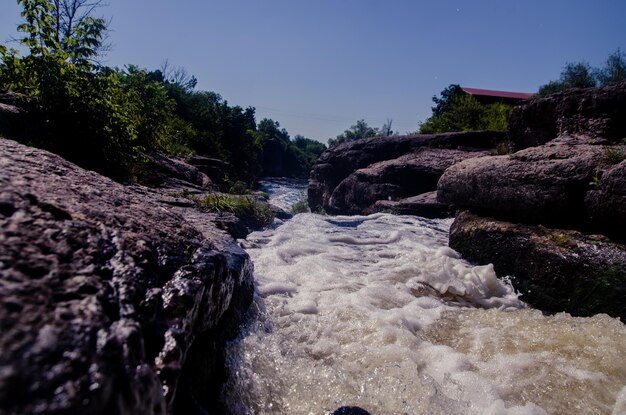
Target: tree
(177, 76)
(614, 69)
(269, 129)
(582, 75)
(457, 111)
(444, 102)
(360, 130)
(386, 130)
(573, 75)
(64, 27)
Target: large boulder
(554, 269)
(590, 113)
(109, 301)
(339, 162)
(545, 184)
(13, 115)
(408, 175)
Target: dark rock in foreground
(351, 177)
(588, 112)
(109, 301)
(555, 270)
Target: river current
(378, 312)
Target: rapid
(378, 312)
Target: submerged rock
(554, 269)
(110, 302)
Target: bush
(465, 113)
(244, 207)
(301, 206)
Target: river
(378, 312)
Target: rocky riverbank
(113, 298)
(552, 214)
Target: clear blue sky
(318, 66)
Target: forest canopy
(107, 119)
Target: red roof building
(487, 96)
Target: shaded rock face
(217, 170)
(587, 112)
(351, 177)
(13, 116)
(545, 184)
(109, 301)
(563, 183)
(165, 170)
(555, 270)
(606, 201)
(409, 175)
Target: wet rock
(582, 112)
(554, 269)
(106, 293)
(545, 184)
(350, 410)
(339, 162)
(425, 205)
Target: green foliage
(239, 188)
(357, 131)
(301, 206)
(614, 154)
(465, 113)
(62, 27)
(244, 207)
(614, 69)
(573, 75)
(444, 102)
(283, 156)
(582, 75)
(106, 119)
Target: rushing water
(376, 311)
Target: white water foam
(283, 192)
(378, 312)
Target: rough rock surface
(555, 270)
(165, 170)
(337, 163)
(217, 170)
(545, 184)
(587, 112)
(408, 175)
(606, 202)
(109, 301)
(13, 120)
(425, 205)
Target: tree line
(106, 119)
